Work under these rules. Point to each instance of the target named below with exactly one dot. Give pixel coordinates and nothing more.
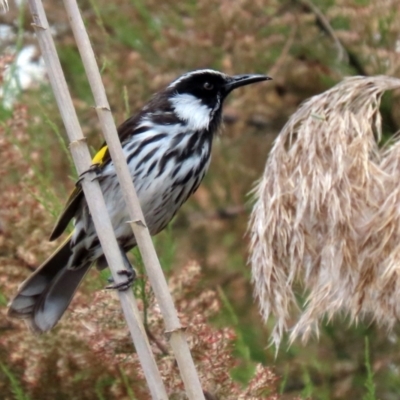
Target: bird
(167, 146)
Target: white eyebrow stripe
(197, 72)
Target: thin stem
(94, 197)
(174, 330)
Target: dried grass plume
(3, 6)
(327, 214)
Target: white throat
(190, 109)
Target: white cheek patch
(190, 109)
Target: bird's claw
(95, 168)
(125, 285)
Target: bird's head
(197, 97)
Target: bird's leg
(95, 168)
(129, 272)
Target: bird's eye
(208, 86)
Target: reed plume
(326, 221)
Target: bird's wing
(101, 158)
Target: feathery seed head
(3, 6)
(328, 213)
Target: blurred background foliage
(141, 45)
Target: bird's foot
(124, 285)
(94, 168)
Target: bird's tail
(43, 298)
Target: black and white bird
(167, 146)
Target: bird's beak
(242, 80)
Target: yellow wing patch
(98, 158)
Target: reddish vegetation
(92, 345)
(142, 45)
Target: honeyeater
(167, 146)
